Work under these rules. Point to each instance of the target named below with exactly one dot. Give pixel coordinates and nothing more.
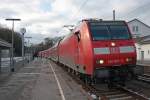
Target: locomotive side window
(78, 35)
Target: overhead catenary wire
(137, 10)
(74, 15)
(78, 11)
(128, 14)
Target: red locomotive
(98, 49)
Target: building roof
(140, 22)
(143, 40)
(4, 44)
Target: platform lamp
(28, 43)
(12, 47)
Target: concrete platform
(144, 62)
(40, 80)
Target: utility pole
(23, 31)
(12, 47)
(114, 16)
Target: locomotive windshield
(119, 32)
(109, 31)
(100, 32)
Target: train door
(77, 40)
(58, 57)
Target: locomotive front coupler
(117, 76)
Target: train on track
(97, 49)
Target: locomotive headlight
(113, 44)
(128, 59)
(101, 61)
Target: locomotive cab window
(100, 32)
(119, 32)
(108, 31)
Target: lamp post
(23, 31)
(12, 47)
(28, 47)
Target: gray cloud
(7, 13)
(41, 23)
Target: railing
(4, 44)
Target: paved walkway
(40, 80)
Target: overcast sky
(45, 18)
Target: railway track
(117, 93)
(144, 78)
(102, 92)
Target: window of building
(135, 29)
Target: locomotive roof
(92, 21)
(101, 20)
(106, 22)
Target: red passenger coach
(54, 52)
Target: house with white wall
(143, 47)
(141, 34)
